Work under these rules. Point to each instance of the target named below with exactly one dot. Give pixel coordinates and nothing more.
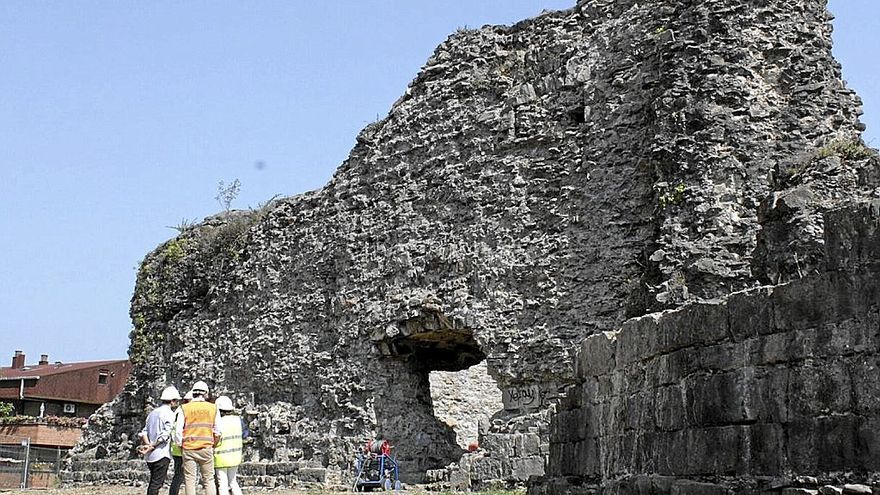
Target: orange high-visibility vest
(198, 425)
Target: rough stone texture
(767, 386)
(536, 185)
(464, 400)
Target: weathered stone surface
(652, 221)
(797, 396)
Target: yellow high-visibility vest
(198, 425)
(227, 453)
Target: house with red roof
(49, 397)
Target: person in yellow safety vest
(197, 429)
(177, 456)
(228, 453)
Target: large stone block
(719, 399)
(750, 313)
(768, 396)
(824, 444)
(525, 467)
(669, 413)
(716, 451)
(688, 487)
(597, 355)
(723, 357)
(671, 368)
(865, 380)
(694, 325)
(857, 335)
(637, 340)
(814, 389)
(766, 449)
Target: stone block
(856, 489)
(781, 348)
(824, 444)
(642, 460)
(597, 355)
(718, 399)
(716, 451)
(688, 487)
(671, 368)
(857, 335)
(765, 453)
(750, 313)
(852, 238)
(697, 324)
(666, 443)
(868, 443)
(723, 357)
(636, 340)
(528, 444)
(669, 413)
(815, 389)
(803, 305)
(769, 394)
(865, 382)
(487, 468)
(497, 442)
(525, 467)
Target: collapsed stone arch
(420, 346)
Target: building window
(102, 376)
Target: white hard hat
(188, 395)
(200, 386)
(170, 393)
(224, 403)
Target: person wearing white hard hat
(156, 439)
(197, 430)
(228, 452)
(177, 457)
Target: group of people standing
(200, 436)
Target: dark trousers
(158, 471)
(177, 480)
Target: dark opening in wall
(429, 433)
(577, 115)
(438, 350)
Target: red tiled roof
(33, 370)
(73, 382)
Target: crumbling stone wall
(535, 185)
(772, 387)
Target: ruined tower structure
(646, 227)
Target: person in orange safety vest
(197, 430)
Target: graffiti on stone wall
(522, 397)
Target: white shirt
(160, 424)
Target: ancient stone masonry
(773, 387)
(536, 185)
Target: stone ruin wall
(772, 388)
(535, 185)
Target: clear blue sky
(118, 119)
